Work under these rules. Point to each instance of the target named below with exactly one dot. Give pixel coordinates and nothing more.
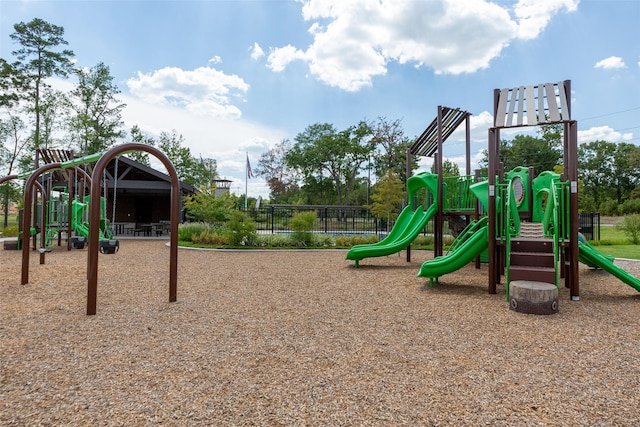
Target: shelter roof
(427, 143)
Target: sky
(236, 77)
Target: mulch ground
(304, 338)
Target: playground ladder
(531, 256)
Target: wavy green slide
(590, 256)
(407, 227)
(457, 259)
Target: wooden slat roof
(427, 143)
(532, 105)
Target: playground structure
(409, 223)
(58, 210)
(86, 217)
(526, 227)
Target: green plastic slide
(457, 259)
(587, 254)
(407, 227)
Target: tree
(139, 137)
(97, 121)
(387, 197)
(273, 168)
(321, 151)
(208, 208)
(11, 150)
(12, 84)
(596, 165)
(626, 175)
(207, 172)
(189, 169)
(392, 144)
(543, 153)
(39, 58)
(449, 168)
(52, 109)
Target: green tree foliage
(139, 137)
(387, 197)
(280, 178)
(543, 152)
(97, 120)
(52, 111)
(39, 57)
(207, 208)
(13, 144)
(631, 228)
(189, 169)
(391, 148)
(449, 168)
(609, 173)
(526, 150)
(321, 151)
(12, 84)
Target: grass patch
(610, 233)
(613, 241)
(621, 251)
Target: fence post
(272, 217)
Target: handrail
(457, 196)
(511, 227)
(467, 232)
(556, 223)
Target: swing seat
(78, 242)
(109, 247)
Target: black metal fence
(331, 219)
(357, 219)
(589, 225)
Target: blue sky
(236, 77)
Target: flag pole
(246, 181)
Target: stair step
(538, 274)
(524, 244)
(533, 259)
(531, 230)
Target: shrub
(423, 241)
(10, 231)
(610, 207)
(323, 240)
(210, 237)
(188, 230)
(631, 228)
(273, 240)
(302, 224)
(241, 230)
(631, 206)
(356, 239)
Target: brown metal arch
(8, 178)
(44, 201)
(94, 220)
(28, 196)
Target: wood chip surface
(297, 338)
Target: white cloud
(227, 141)
(215, 60)
(279, 58)
(602, 133)
(534, 15)
(610, 63)
(354, 40)
(256, 51)
(203, 91)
